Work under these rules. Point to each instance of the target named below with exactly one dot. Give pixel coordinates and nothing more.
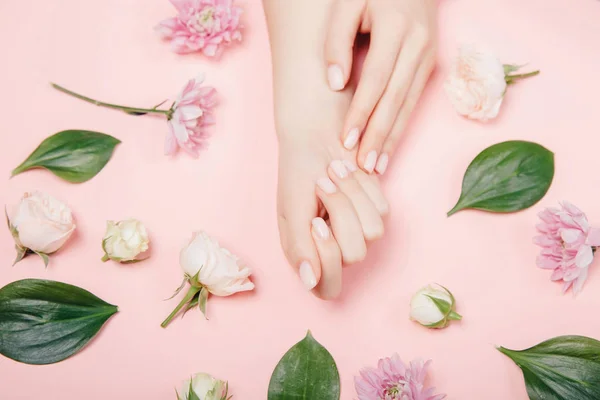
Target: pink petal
(570, 235)
(593, 238)
(584, 256)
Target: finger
(414, 94)
(344, 221)
(386, 40)
(370, 156)
(296, 237)
(339, 42)
(371, 186)
(330, 285)
(368, 215)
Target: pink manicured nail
(326, 185)
(335, 77)
(320, 228)
(307, 275)
(339, 169)
(351, 138)
(382, 163)
(370, 161)
(350, 166)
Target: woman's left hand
(399, 61)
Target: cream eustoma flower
(433, 307)
(124, 240)
(39, 224)
(209, 268)
(203, 387)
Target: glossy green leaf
(307, 371)
(75, 156)
(507, 177)
(562, 368)
(44, 322)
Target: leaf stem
(109, 105)
(186, 299)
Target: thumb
(344, 23)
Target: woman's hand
(399, 61)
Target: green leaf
(44, 257)
(21, 254)
(202, 299)
(307, 371)
(191, 394)
(442, 305)
(44, 322)
(562, 368)
(507, 177)
(75, 156)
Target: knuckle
(422, 35)
(375, 231)
(355, 255)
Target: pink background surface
(107, 49)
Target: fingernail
(382, 163)
(335, 77)
(350, 166)
(320, 227)
(339, 169)
(370, 160)
(326, 185)
(307, 275)
(351, 138)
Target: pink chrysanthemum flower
(192, 112)
(568, 244)
(393, 380)
(202, 25)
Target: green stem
(109, 105)
(105, 257)
(512, 78)
(454, 316)
(186, 299)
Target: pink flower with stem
(202, 25)
(187, 118)
(393, 380)
(568, 245)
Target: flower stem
(454, 316)
(186, 299)
(512, 78)
(129, 110)
(105, 257)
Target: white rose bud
(40, 224)
(433, 307)
(203, 387)
(209, 268)
(124, 240)
(478, 81)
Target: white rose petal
(427, 313)
(41, 223)
(476, 84)
(125, 240)
(205, 387)
(217, 269)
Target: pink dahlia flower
(202, 25)
(393, 380)
(568, 244)
(192, 112)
